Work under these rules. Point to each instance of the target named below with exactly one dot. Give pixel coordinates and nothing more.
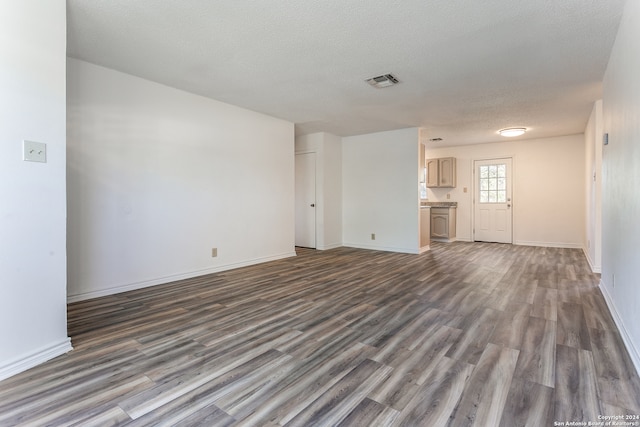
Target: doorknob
(313, 205)
(509, 205)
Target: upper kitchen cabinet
(441, 172)
(432, 173)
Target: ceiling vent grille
(384, 80)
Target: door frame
(315, 178)
(474, 192)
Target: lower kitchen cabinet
(443, 224)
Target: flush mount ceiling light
(510, 132)
(384, 80)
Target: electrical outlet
(448, 195)
(214, 252)
(373, 236)
(34, 151)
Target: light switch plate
(34, 151)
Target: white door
(492, 201)
(306, 200)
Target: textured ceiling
(466, 67)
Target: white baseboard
(463, 239)
(30, 360)
(172, 278)
(382, 248)
(631, 348)
(594, 268)
(548, 244)
(444, 239)
(327, 247)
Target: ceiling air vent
(385, 80)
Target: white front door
(492, 201)
(305, 200)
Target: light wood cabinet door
(447, 172)
(440, 226)
(443, 224)
(432, 173)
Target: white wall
(593, 188)
(548, 188)
(328, 149)
(620, 181)
(380, 190)
(158, 177)
(33, 326)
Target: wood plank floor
(465, 334)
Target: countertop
(439, 204)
